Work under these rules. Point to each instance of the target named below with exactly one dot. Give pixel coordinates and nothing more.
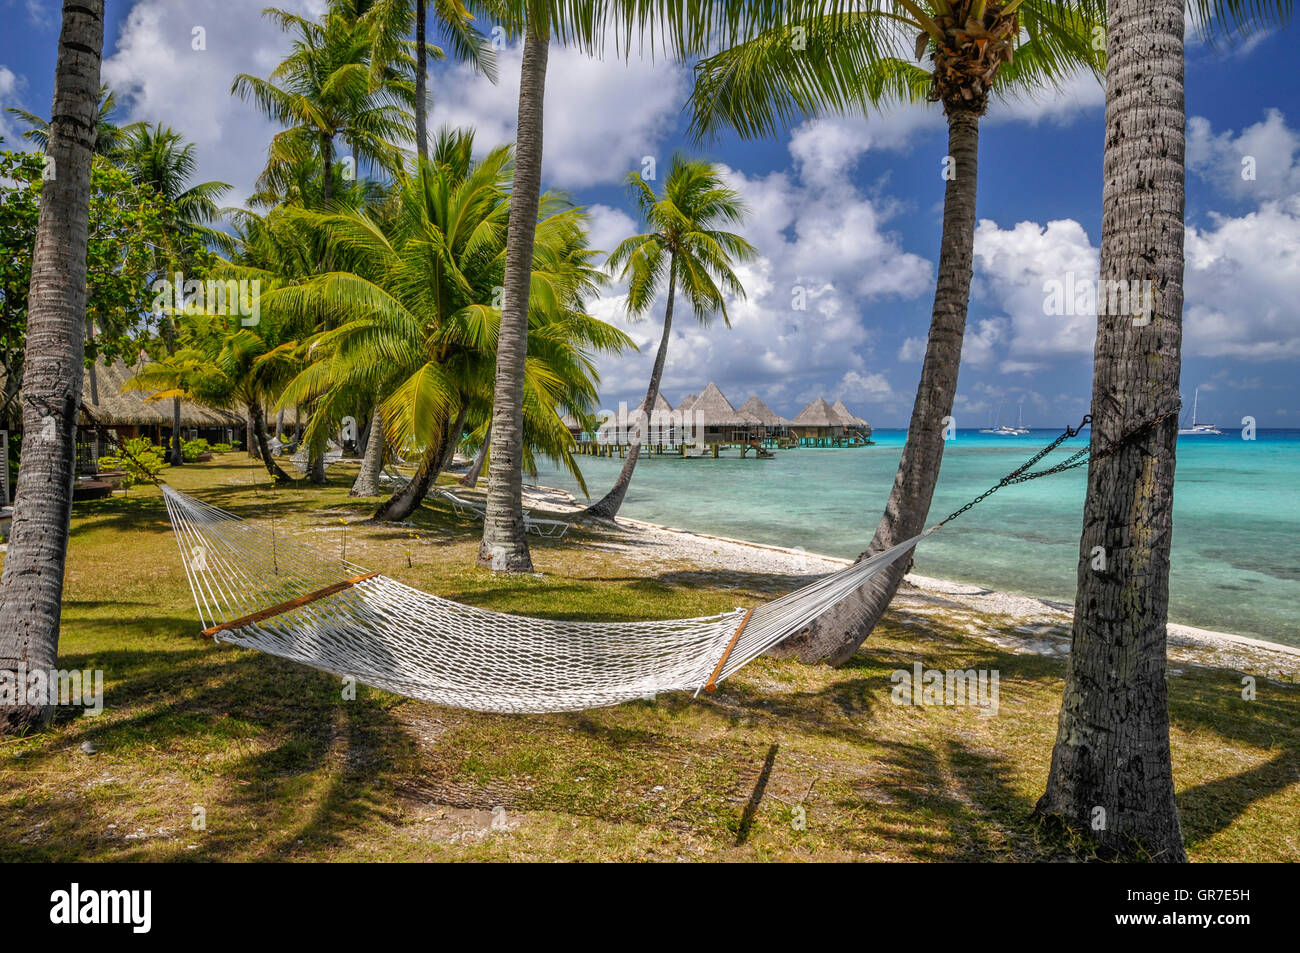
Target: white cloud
(1239, 302)
(827, 256)
(1259, 164)
(1079, 94)
(868, 387)
(602, 116)
(1242, 277)
(11, 86)
(1013, 266)
(160, 77)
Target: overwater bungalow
(775, 427)
(852, 420)
(715, 421)
(820, 425)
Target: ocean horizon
(1236, 546)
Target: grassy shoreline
(284, 768)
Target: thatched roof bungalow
(850, 418)
(106, 404)
(769, 419)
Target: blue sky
(845, 209)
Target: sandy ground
(1032, 625)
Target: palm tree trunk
(250, 438)
(470, 479)
(1112, 744)
(837, 635)
(261, 439)
(31, 589)
(454, 434)
(367, 481)
(421, 81)
(407, 499)
(327, 157)
(503, 530)
(608, 506)
(279, 424)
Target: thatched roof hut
(850, 418)
(764, 414)
(104, 403)
(818, 414)
(712, 410)
(687, 401)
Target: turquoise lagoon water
(1236, 549)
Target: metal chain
(1025, 473)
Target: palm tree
(31, 587)
(505, 545)
(326, 88)
(224, 366)
(415, 321)
(686, 29)
(160, 158)
(451, 17)
(684, 247)
(849, 61)
(1111, 774)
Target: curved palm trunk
(316, 468)
(367, 481)
(327, 157)
(505, 544)
(421, 81)
(608, 506)
(470, 479)
(261, 439)
(31, 588)
(407, 500)
(1112, 743)
(836, 636)
(454, 434)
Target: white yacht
(1198, 429)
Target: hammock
(256, 588)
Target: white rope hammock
(256, 588)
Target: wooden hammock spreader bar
(283, 607)
(711, 685)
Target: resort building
(821, 425)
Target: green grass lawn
(282, 767)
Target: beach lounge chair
(551, 529)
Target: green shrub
(191, 450)
(222, 448)
(139, 459)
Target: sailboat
(1004, 431)
(990, 428)
(1198, 429)
(1020, 421)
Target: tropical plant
(451, 18)
(415, 319)
(31, 588)
(685, 249)
(328, 88)
(128, 223)
(858, 58)
(159, 158)
(684, 28)
(1112, 743)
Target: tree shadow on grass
(1211, 701)
(282, 762)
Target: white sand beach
(1032, 625)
